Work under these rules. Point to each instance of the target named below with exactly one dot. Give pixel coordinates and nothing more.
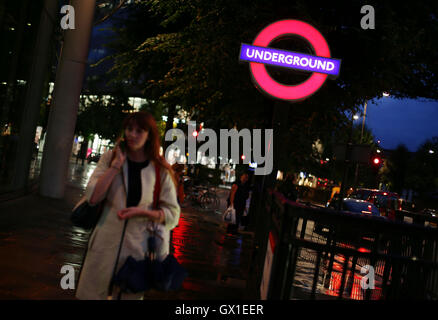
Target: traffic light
(376, 161)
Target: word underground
(247, 309)
(252, 148)
(289, 59)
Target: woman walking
(238, 196)
(124, 179)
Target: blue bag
(132, 277)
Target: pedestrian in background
(238, 196)
(82, 153)
(288, 188)
(125, 179)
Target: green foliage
(156, 108)
(98, 116)
(417, 171)
(396, 169)
(424, 167)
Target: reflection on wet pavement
(329, 285)
(79, 175)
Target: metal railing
(324, 254)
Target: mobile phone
(122, 145)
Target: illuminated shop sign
(321, 65)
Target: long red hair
(152, 146)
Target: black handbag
(142, 275)
(132, 277)
(86, 216)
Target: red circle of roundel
(289, 92)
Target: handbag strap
(111, 286)
(156, 198)
(157, 187)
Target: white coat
(103, 245)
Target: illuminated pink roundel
(289, 92)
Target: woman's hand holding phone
(119, 158)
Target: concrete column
(64, 109)
(38, 73)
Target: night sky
(407, 121)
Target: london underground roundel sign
(321, 65)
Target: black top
(241, 195)
(134, 182)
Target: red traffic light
(195, 133)
(376, 161)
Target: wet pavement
(37, 239)
(329, 284)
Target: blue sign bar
(289, 59)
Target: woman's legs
(239, 214)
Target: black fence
(326, 254)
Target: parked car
(387, 202)
(351, 205)
(406, 205)
(356, 206)
(93, 157)
(433, 213)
